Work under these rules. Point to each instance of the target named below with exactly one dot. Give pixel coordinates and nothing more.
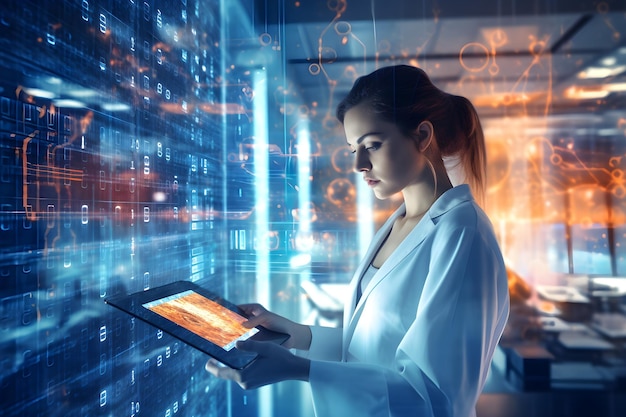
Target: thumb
(253, 346)
(253, 322)
(246, 345)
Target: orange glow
(519, 289)
(589, 92)
(222, 108)
(506, 99)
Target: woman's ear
(425, 134)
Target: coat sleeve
(325, 344)
(442, 361)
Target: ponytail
(470, 147)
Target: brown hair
(405, 96)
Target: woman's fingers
(253, 309)
(211, 367)
(261, 320)
(274, 363)
(221, 371)
(255, 313)
(246, 379)
(299, 335)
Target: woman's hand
(300, 335)
(274, 363)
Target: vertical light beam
(261, 171)
(304, 174)
(261, 186)
(365, 215)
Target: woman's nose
(361, 162)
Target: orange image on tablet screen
(203, 317)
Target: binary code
(111, 175)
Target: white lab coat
(421, 338)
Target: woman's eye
(371, 147)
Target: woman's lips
(370, 182)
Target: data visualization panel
(111, 175)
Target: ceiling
(509, 57)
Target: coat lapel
(417, 235)
(352, 313)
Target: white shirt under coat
(419, 342)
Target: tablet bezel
(234, 358)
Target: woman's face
(388, 160)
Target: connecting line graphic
(37, 171)
(27, 207)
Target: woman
(430, 299)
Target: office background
(143, 142)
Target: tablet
(198, 317)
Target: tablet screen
(198, 317)
(203, 317)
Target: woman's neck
(420, 197)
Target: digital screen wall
(143, 142)
(112, 170)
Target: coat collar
(446, 202)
